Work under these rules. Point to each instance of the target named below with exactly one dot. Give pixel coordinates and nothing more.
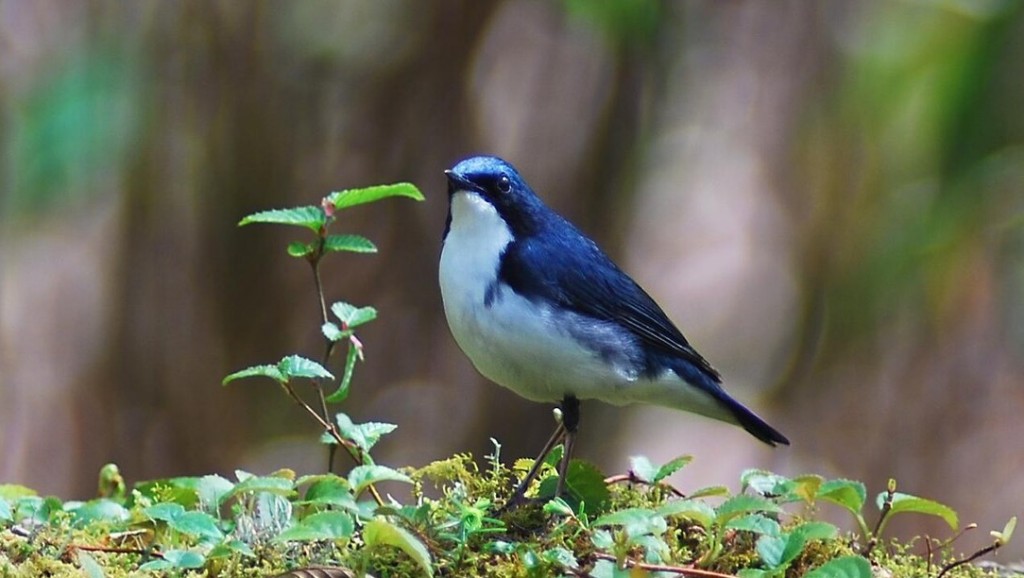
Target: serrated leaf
(755, 523)
(362, 476)
(270, 371)
(351, 315)
(846, 493)
(643, 469)
(350, 243)
(353, 197)
(334, 333)
(743, 504)
(779, 551)
(672, 467)
(300, 249)
(843, 567)
(907, 503)
(341, 394)
(364, 435)
(310, 217)
(320, 526)
(298, 366)
(380, 532)
(690, 509)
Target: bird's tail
(749, 421)
(724, 408)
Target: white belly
(513, 342)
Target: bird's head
(496, 182)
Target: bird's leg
(556, 437)
(571, 422)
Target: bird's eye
(504, 185)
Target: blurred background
(827, 197)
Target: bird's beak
(457, 182)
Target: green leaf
(362, 476)
(98, 510)
(846, 493)
(779, 551)
(350, 243)
(230, 548)
(709, 491)
(181, 559)
(164, 511)
(341, 394)
(843, 567)
(353, 197)
(320, 526)
(198, 524)
(907, 503)
(743, 504)
(558, 507)
(806, 487)
(561, 557)
(602, 540)
(334, 333)
(14, 491)
(643, 469)
(691, 509)
(816, 531)
(765, 483)
(635, 521)
(351, 315)
(672, 467)
(6, 515)
(364, 435)
(211, 491)
(298, 366)
(270, 371)
(310, 217)
(755, 523)
(585, 483)
(380, 532)
(752, 573)
(1004, 537)
(255, 484)
(300, 249)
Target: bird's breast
(534, 348)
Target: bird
(540, 309)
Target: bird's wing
(577, 275)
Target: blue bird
(539, 309)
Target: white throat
(476, 239)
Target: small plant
(325, 524)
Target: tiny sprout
(892, 486)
